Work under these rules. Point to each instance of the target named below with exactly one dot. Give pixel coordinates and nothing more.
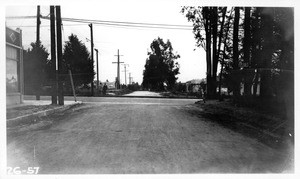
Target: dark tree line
(77, 59)
(36, 68)
(253, 46)
(38, 72)
(210, 33)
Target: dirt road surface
(139, 135)
(143, 93)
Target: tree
(271, 39)
(258, 48)
(267, 19)
(246, 47)
(77, 59)
(235, 73)
(208, 23)
(161, 67)
(36, 68)
(225, 57)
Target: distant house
(193, 86)
(110, 85)
(14, 67)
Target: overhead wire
(116, 24)
(122, 22)
(113, 23)
(156, 26)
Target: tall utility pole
(125, 73)
(130, 79)
(53, 55)
(118, 69)
(38, 23)
(97, 69)
(92, 55)
(59, 56)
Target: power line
(111, 25)
(133, 23)
(102, 21)
(129, 25)
(114, 23)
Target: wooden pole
(97, 69)
(38, 23)
(72, 84)
(53, 55)
(118, 70)
(59, 56)
(92, 55)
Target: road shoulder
(31, 112)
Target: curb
(35, 117)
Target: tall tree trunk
(235, 74)
(219, 49)
(215, 52)
(224, 10)
(267, 50)
(207, 26)
(246, 43)
(256, 47)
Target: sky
(133, 43)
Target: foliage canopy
(161, 67)
(77, 59)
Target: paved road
(143, 93)
(138, 135)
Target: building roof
(196, 81)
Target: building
(14, 67)
(193, 86)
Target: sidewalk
(30, 111)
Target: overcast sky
(133, 43)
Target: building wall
(13, 99)
(14, 67)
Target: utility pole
(130, 79)
(125, 73)
(92, 55)
(59, 56)
(97, 69)
(38, 23)
(118, 69)
(53, 56)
